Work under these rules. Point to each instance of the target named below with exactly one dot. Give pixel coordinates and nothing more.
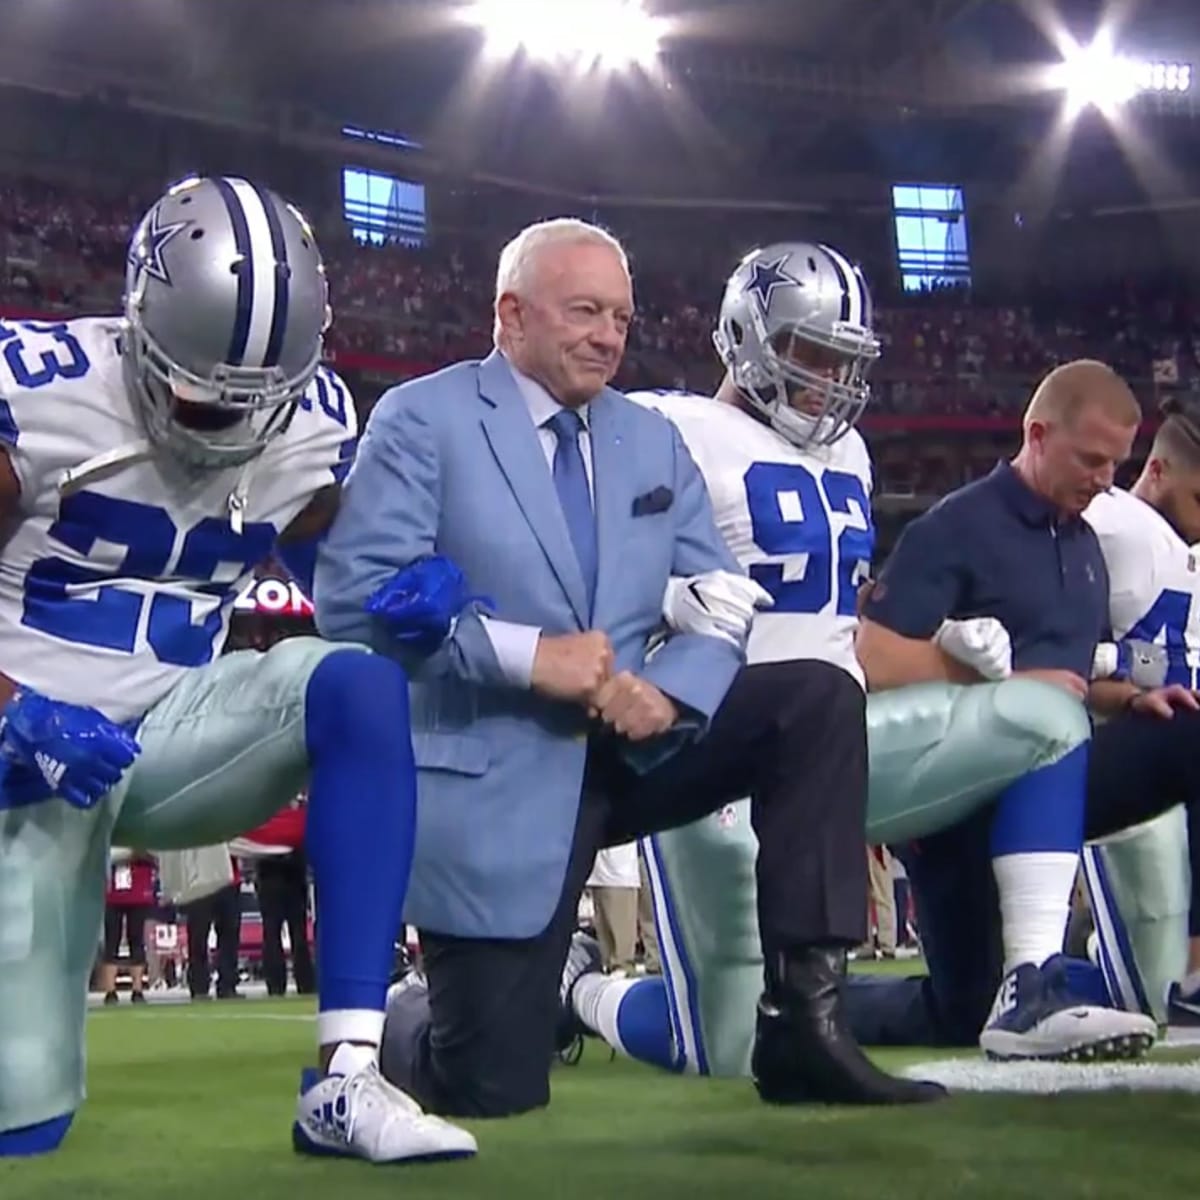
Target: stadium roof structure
(745, 98)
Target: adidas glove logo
(52, 770)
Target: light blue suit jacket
(451, 464)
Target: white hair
(517, 258)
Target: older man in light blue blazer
(554, 720)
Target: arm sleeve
(923, 582)
(389, 518)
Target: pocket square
(659, 500)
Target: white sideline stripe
(1045, 1078)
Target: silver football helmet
(226, 306)
(795, 334)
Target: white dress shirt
(515, 644)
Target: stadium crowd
(945, 352)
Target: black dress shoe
(803, 1049)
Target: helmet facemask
(795, 334)
(223, 421)
(795, 361)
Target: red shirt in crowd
(131, 884)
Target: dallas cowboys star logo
(766, 278)
(147, 254)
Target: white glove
(980, 643)
(717, 604)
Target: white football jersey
(1154, 580)
(799, 521)
(115, 584)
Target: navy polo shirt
(995, 548)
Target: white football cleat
(1036, 1016)
(353, 1112)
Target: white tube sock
(1035, 903)
(596, 999)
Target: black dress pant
(790, 735)
(1139, 766)
(282, 887)
(222, 910)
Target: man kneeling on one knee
(544, 730)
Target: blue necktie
(570, 481)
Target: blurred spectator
(614, 884)
(221, 910)
(164, 948)
(281, 881)
(906, 924)
(882, 897)
(128, 905)
(647, 930)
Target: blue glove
(48, 747)
(420, 602)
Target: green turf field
(195, 1102)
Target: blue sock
(362, 807)
(644, 1024)
(41, 1138)
(631, 1015)
(1036, 835)
(1043, 810)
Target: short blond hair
(1067, 391)
(517, 259)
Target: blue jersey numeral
(854, 546)
(332, 397)
(109, 618)
(334, 401)
(33, 366)
(1169, 615)
(788, 517)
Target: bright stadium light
(1096, 75)
(615, 33)
(1163, 76)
